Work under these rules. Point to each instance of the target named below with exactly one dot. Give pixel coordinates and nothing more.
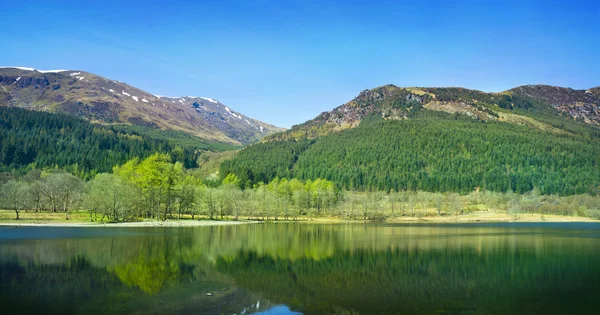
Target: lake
(287, 268)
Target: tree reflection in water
(355, 268)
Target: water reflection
(314, 269)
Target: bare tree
(14, 193)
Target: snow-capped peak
(209, 99)
(33, 69)
(51, 71)
(20, 68)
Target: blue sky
(284, 62)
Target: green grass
(8, 216)
(178, 138)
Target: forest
(434, 152)
(38, 140)
(434, 164)
(157, 188)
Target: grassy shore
(473, 217)
(82, 219)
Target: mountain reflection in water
(303, 268)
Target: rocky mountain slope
(440, 140)
(522, 105)
(102, 100)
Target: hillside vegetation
(30, 139)
(437, 140)
(101, 100)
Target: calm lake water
(547, 268)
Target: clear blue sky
(284, 62)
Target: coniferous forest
(432, 151)
(30, 139)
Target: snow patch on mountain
(20, 68)
(51, 71)
(232, 113)
(33, 69)
(209, 99)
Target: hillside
(441, 139)
(550, 107)
(32, 139)
(99, 99)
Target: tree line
(157, 188)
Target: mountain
(578, 104)
(99, 99)
(517, 105)
(441, 140)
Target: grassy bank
(82, 219)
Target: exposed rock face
(392, 102)
(96, 98)
(579, 104)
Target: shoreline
(168, 223)
(476, 217)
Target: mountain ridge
(99, 99)
(513, 105)
(440, 140)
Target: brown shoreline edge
(485, 217)
(168, 223)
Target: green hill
(441, 139)
(31, 139)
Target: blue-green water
(547, 268)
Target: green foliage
(264, 162)
(176, 138)
(111, 196)
(433, 152)
(231, 179)
(209, 163)
(30, 139)
(156, 179)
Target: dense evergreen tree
(30, 139)
(434, 152)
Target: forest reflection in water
(308, 268)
